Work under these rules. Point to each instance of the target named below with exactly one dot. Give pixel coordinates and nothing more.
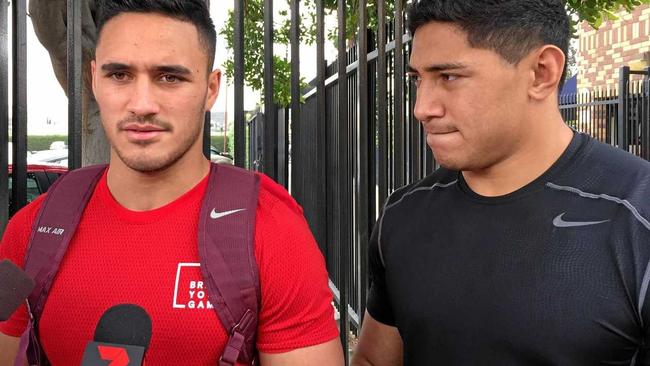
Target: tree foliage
(595, 12)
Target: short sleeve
(296, 304)
(378, 304)
(13, 247)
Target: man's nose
(143, 101)
(428, 103)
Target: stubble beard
(146, 163)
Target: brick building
(623, 42)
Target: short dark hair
(193, 11)
(511, 28)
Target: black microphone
(122, 337)
(15, 286)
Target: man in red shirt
(137, 242)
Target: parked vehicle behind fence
(39, 180)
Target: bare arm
(379, 345)
(8, 349)
(329, 353)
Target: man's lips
(438, 128)
(139, 132)
(440, 132)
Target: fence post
(363, 154)
(207, 124)
(75, 87)
(240, 123)
(645, 118)
(270, 160)
(381, 101)
(4, 115)
(19, 108)
(623, 93)
(345, 215)
(400, 159)
(296, 126)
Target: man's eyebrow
(173, 69)
(167, 69)
(115, 66)
(438, 67)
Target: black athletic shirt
(555, 273)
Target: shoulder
(279, 220)
(435, 183)
(605, 169)
(611, 176)
(274, 200)
(18, 231)
(616, 161)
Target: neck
(138, 191)
(545, 141)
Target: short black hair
(511, 28)
(192, 11)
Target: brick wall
(624, 42)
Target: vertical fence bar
(344, 214)
(632, 120)
(646, 115)
(382, 104)
(207, 119)
(416, 130)
(283, 148)
(240, 122)
(363, 156)
(75, 78)
(19, 108)
(207, 130)
(4, 115)
(624, 77)
(270, 110)
(372, 134)
(400, 159)
(321, 123)
(296, 188)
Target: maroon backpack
(226, 253)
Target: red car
(39, 179)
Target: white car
(58, 157)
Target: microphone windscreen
(15, 286)
(124, 324)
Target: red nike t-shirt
(151, 259)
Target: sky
(47, 102)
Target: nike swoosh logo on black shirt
(559, 222)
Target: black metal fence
(619, 117)
(341, 152)
(18, 44)
(354, 140)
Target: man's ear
(93, 74)
(546, 65)
(214, 84)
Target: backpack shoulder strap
(226, 252)
(54, 227)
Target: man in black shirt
(532, 245)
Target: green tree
(595, 12)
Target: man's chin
(148, 164)
(447, 162)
